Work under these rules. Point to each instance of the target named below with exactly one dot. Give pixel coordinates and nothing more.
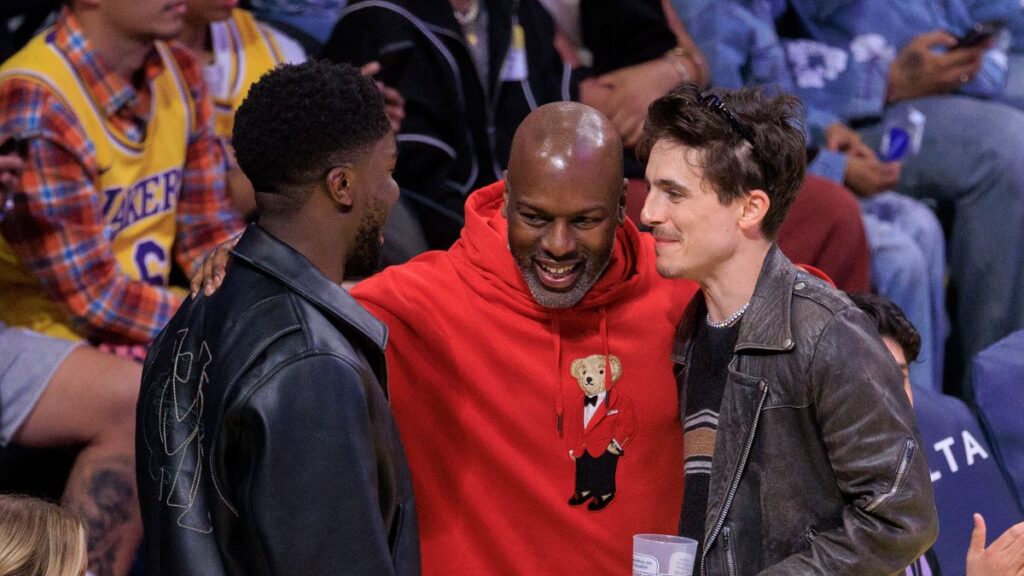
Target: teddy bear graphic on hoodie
(600, 424)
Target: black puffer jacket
(265, 443)
(818, 466)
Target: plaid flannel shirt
(57, 227)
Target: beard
(593, 266)
(365, 258)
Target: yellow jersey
(139, 182)
(252, 52)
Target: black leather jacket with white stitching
(265, 442)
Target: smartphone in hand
(980, 33)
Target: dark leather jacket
(265, 442)
(818, 467)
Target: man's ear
(753, 209)
(341, 181)
(621, 213)
(504, 204)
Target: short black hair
(891, 322)
(299, 120)
(747, 139)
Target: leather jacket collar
(261, 250)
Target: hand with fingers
(866, 175)
(841, 138)
(1005, 557)
(210, 275)
(624, 95)
(919, 70)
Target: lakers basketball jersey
(252, 52)
(137, 186)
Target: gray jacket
(817, 467)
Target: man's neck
(124, 53)
(731, 285)
(197, 37)
(306, 240)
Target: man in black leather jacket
(801, 452)
(265, 441)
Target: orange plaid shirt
(56, 226)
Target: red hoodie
(479, 374)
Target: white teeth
(557, 271)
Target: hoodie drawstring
(556, 329)
(556, 332)
(607, 355)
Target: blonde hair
(38, 538)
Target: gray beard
(561, 300)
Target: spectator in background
(641, 51)
(1011, 40)
(478, 67)
(123, 180)
(1005, 556)
(473, 70)
(59, 393)
(309, 21)
(39, 539)
(234, 51)
(868, 60)
(906, 241)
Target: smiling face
(694, 232)
(561, 242)
(564, 199)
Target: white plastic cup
(663, 555)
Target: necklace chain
(730, 320)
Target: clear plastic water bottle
(902, 135)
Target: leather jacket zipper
(735, 484)
(730, 558)
(901, 472)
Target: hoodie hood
(488, 265)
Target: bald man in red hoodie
(483, 336)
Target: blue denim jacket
(841, 60)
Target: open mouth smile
(558, 276)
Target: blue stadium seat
(965, 477)
(999, 394)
